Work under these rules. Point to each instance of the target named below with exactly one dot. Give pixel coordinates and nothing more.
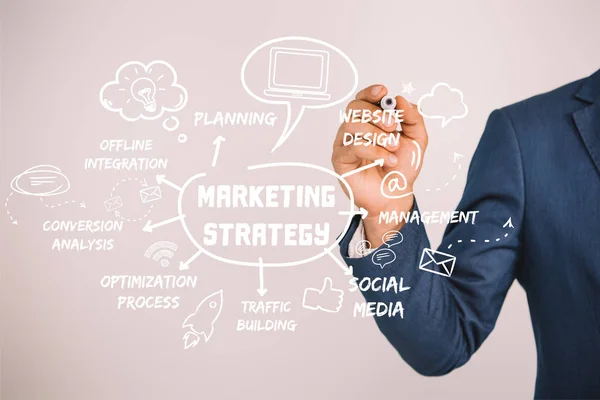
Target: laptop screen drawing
(298, 73)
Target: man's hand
(397, 157)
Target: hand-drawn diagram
(162, 252)
(407, 88)
(144, 91)
(148, 195)
(303, 73)
(327, 299)
(229, 259)
(64, 203)
(507, 225)
(455, 158)
(217, 142)
(392, 238)
(113, 204)
(442, 98)
(363, 247)
(394, 185)
(437, 262)
(298, 73)
(13, 220)
(289, 85)
(202, 321)
(383, 256)
(41, 181)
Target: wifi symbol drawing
(162, 252)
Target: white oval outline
(14, 184)
(258, 264)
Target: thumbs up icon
(325, 299)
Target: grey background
(62, 335)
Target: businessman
(538, 163)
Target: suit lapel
(587, 119)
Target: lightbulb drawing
(144, 91)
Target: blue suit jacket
(538, 162)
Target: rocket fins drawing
(202, 321)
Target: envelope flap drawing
(437, 262)
(113, 204)
(150, 194)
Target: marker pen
(388, 103)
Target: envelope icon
(150, 194)
(437, 262)
(113, 204)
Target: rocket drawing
(202, 321)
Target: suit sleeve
(446, 319)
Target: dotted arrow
(81, 204)
(497, 239)
(438, 189)
(14, 221)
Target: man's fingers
(384, 120)
(351, 154)
(365, 134)
(413, 125)
(373, 94)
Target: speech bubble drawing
(392, 238)
(363, 248)
(446, 99)
(298, 91)
(383, 257)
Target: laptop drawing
(298, 73)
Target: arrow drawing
(378, 162)
(186, 265)
(261, 277)
(507, 224)
(149, 227)
(13, 220)
(347, 270)
(455, 158)
(160, 179)
(81, 204)
(143, 184)
(217, 142)
(360, 211)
